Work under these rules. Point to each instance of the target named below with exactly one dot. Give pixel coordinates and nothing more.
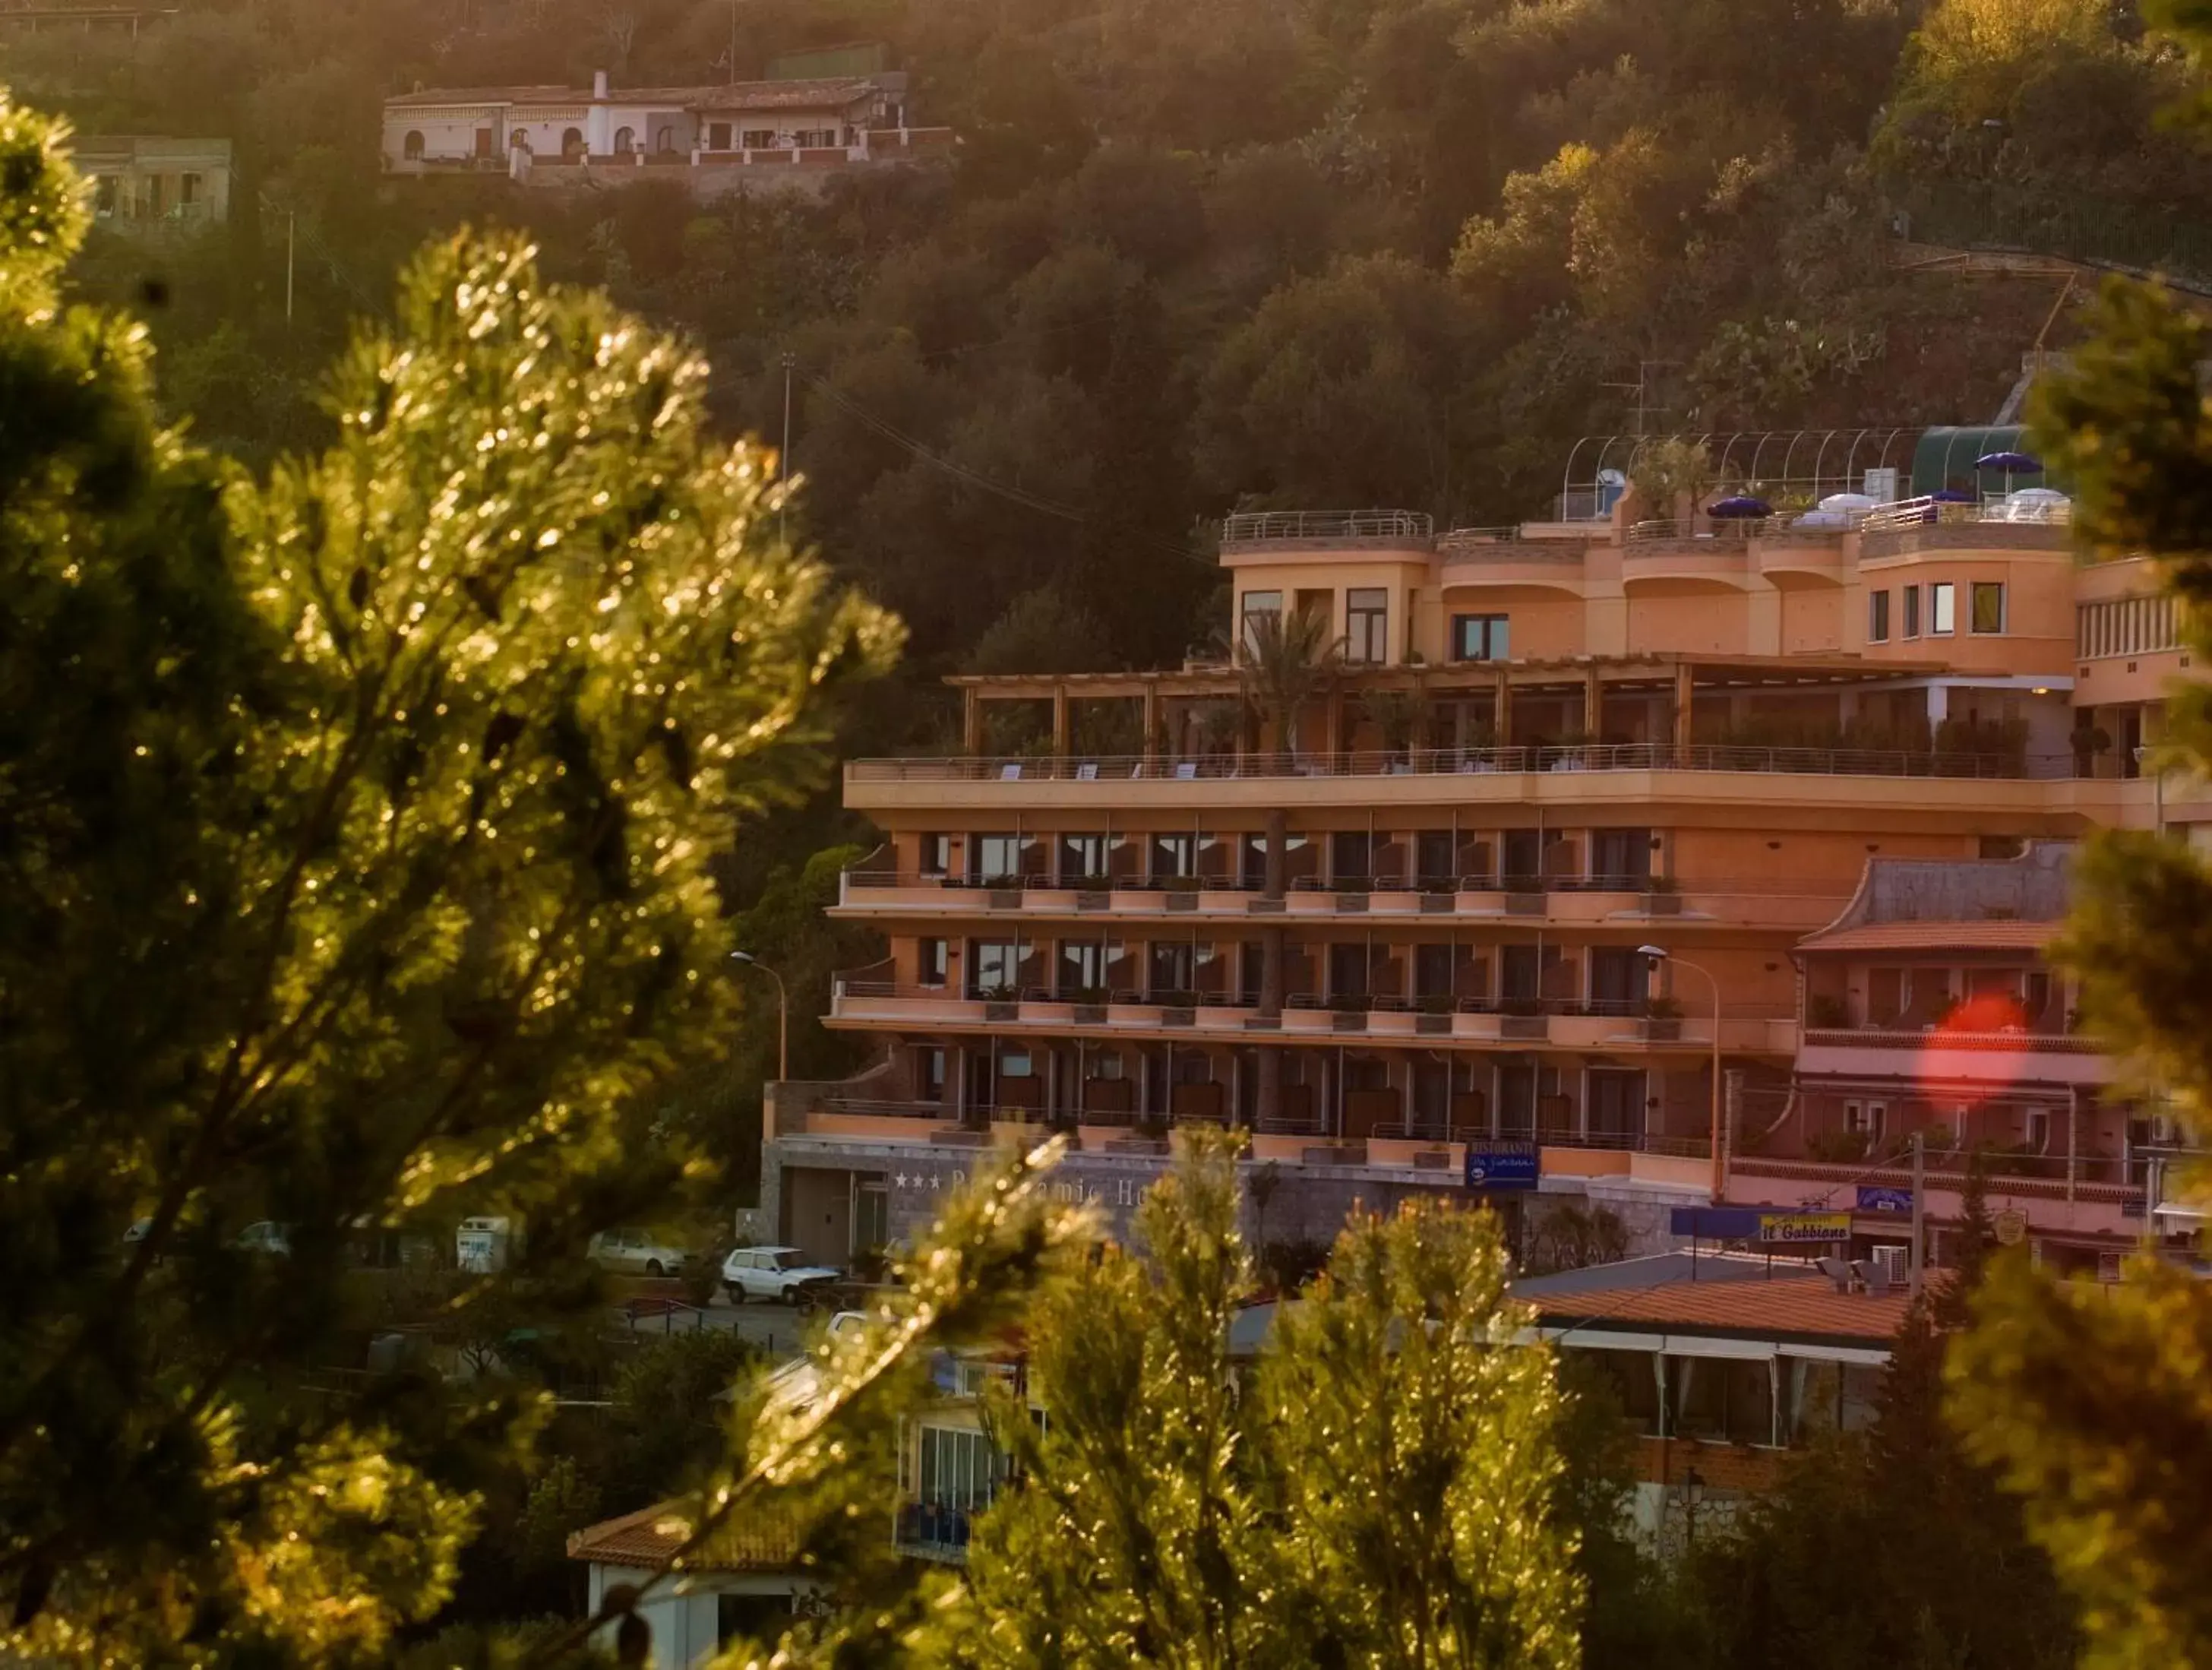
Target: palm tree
(1284, 658)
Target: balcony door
(1616, 1103)
(1524, 855)
(1348, 975)
(1618, 979)
(1620, 858)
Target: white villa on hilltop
(554, 135)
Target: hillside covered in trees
(1296, 253)
(1254, 253)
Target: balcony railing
(1933, 512)
(2037, 1037)
(1472, 762)
(935, 1532)
(1695, 1021)
(1434, 1127)
(1262, 527)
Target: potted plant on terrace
(1662, 1019)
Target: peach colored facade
(1409, 919)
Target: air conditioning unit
(1895, 1264)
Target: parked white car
(635, 1252)
(781, 1275)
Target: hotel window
(1367, 623)
(1257, 604)
(816, 139)
(1171, 964)
(1081, 859)
(1479, 637)
(718, 135)
(1878, 617)
(993, 966)
(937, 855)
(933, 959)
(759, 138)
(1174, 858)
(1987, 607)
(1082, 967)
(2036, 1123)
(1942, 608)
(1866, 1118)
(1912, 612)
(997, 858)
(959, 1468)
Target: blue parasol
(1741, 508)
(2012, 463)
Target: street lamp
(782, 1012)
(1659, 953)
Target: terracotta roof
(2006, 935)
(1787, 1308)
(735, 96)
(649, 1537)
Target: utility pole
(1919, 1210)
(783, 458)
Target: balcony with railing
(935, 1532)
(869, 891)
(1329, 530)
(1223, 1017)
(1115, 776)
(1366, 1128)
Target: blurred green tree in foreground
(2095, 1401)
(355, 825)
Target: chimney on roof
(598, 83)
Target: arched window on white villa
(625, 140)
(664, 141)
(412, 145)
(572, 143)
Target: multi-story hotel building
(1408, 920)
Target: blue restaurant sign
(1502, 1165)
(1876, 1200)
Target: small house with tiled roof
(746, 1581)
(1724, 1366)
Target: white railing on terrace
(1257, 527)
(1928, 512)
(1104, 769)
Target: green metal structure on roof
(1944, 457)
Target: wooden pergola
(1678, 674)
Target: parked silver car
(636, 1252)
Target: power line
(976, 478)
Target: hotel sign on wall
(919, 1190)
(1801, 1228)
